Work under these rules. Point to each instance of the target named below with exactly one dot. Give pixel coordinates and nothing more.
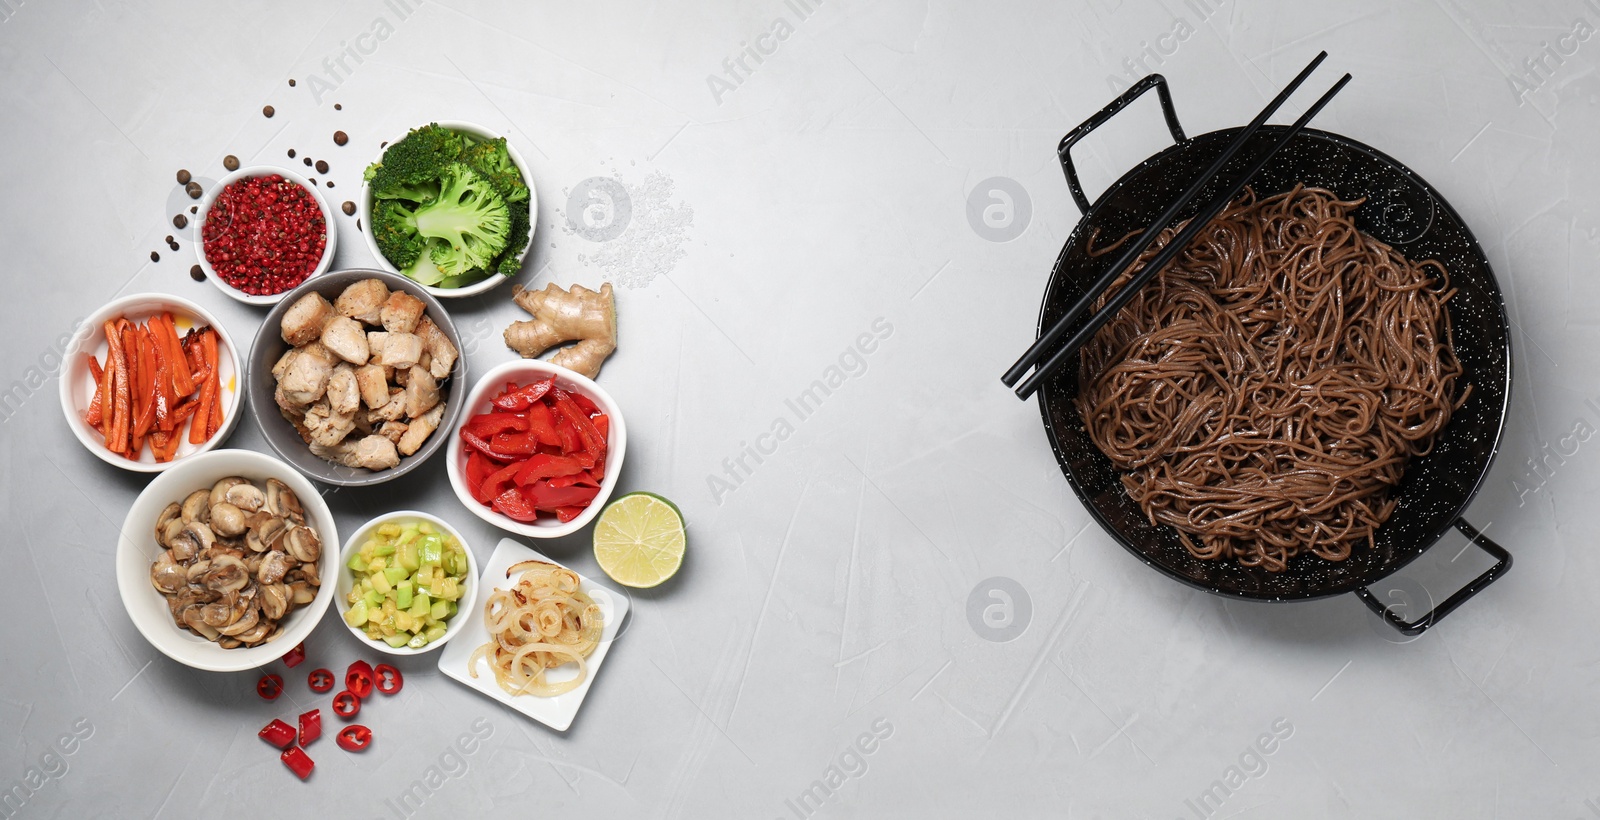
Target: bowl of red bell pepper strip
(149, 380)
(539, 450)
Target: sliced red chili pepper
(310, 727)
(346, 705)
(355, 738)
(523, 397)
(358, 679)
(389, 678)
(270, 686)
(298, 761)
(295, 656)
(513, 505)
(277, 733)
(320, 680)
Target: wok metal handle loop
(1156, 81)
(1420, 625)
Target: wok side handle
(1420, 625)
(1156, 81)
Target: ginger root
(579, 314)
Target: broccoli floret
(420, 193)
(419, 157)
(422, 270)
(492, 161)
(509, 261)
(394, 228)
(471, 218)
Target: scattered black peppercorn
(291, 82)
(308, 160)
(194, 209)
(196, 273)
(194, 190)
(180, 221)
(230, 162)
(268, 111)
(168, 240)
(330, 183)
(155, 257)
(322, 166)
(340, 138)
(338, 107)
(183, 176)
(349, 208)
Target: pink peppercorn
(264, 235)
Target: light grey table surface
(818, 190)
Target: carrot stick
(107, 376)
(117, 441)
(199, 428)
(147, 382)
(214, 422)
(163, 372)
(182, 385)
(93, 415)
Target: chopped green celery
(431, 547)
(435, 632)
(420, 604)
(373, 598)
(356, 563)
(408, 556)
(385, 549)
(417, 642)
(356, 615)
(440, 610)
(395, 575)
(397, 640)
(453, 608)
(403, 592)
(379, 582)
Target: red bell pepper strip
(310, 727)
(513, 505)
(320, 680)
(593, 442)
(498, 483)
(298, 761)
(565, 514)
(589, 407)
(358, 679)
(478, 470)
(486, 425)
(523, 397)
(543, 496)
(389, 678)
(477, 443)
(543, 425)
(277, 733)
(513, 445)
(295, 656)
(541, 466)
(270, 686)
(355, 738)
(602, 424)
(346, 705)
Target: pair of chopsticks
(1047, 342)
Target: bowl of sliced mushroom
(353, 377)
(224, 558)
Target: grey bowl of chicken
(355, 377)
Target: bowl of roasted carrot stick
(149, 380)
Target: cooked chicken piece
(285, 404)
(304, 320)
(401, 312)
(395, 431)
(364, 424)
(394, 409)
(347, 339)
(374, 385)
(363, 301)
(344, 396)
(296, 419)
(372, 452)
(327, 427)
(419, 430)
(441, 352)
(306, 379)
(422, 392)
(426, 362)
(401, 376)
(399, 350)
(283, 362)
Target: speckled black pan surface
(1402, 210)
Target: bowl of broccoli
(450, 206)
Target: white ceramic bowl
(77, 383)
(261, 171)
(494, 279)
(467, 606)
(523, 371)
(137, 550)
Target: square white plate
(556, 712)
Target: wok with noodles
(1308, 397)
(542, 621)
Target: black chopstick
(1172, 249)
(1131, 253)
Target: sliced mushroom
(168, 575)
(275, 601)
(219, 490)
(197, 507)
(258, 633)
(192, 619)
(252, 562)
(227, 574)
(169, 522)
(227, 520)
(229, 643)
(282, 502)
(276, 633)
(245, 623)
(217, 614)
(274, 565)
(309, 573)
(304, 545)
(247, 497)
(303, 593)
(196, 570)
(194, 539)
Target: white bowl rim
(228, 660)
(469, 597)
(210, 198)
(364, 210)
(76, 349)
(616, 448)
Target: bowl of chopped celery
(407, 583)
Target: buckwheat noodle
(1264, 393)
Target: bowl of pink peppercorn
(263, 232)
